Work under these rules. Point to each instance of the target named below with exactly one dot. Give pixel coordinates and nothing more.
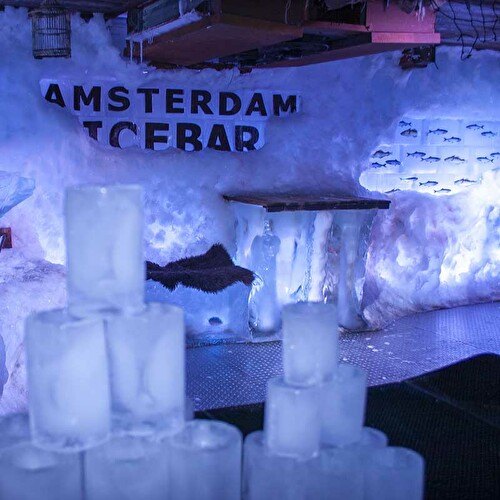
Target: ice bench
(312, 246)
(212, 291)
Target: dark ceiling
(106, 6)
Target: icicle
(141, 44)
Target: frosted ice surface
(146, 357)
(209, 316)
(267, 476)
(105, 263)
(310, 342)
(3, 369)
(64, 354)
(127, 468)
(206, 462)
(292, 419)
(343, 406)
(265, 314)
(28, 473)
(13, 190)
(14, 429)
(393, 474)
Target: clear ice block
(310, 342)
(343, 406)
(206, 462)
(127, 468)
(268, 476)
(104, 247)
(146, 363)
(393, 474)
(68, 383)
(209, 316)
(292, 419)
(28, 473)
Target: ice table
(304, 248)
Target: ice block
(28, 473)
(206, 462)
(146, 360)
(67, 381)
(14, 429)
(343, 406)
(104, 247)
(127, 468)
(292, 419)
(394, 473)
(268, 476)
(310, 342)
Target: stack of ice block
(314, 445)
(107, 402)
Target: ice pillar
(105, 264)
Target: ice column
(393, 474)
(292, 419)
(265, 314)
(206, 462)
(310, 342)
(28, 473)
(343, 406)
(127, 468)
(67, 381)
(146, 359)
(105, 264)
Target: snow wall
(426, 251)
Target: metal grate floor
(236, 374)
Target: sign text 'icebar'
(160, 117)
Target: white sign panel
(161, 117)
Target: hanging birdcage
(51, 28)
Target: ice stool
(211, 289)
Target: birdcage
(51, 29)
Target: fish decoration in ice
(454, 159)
(413, 178)
(452, 140)
(431, 159)
(402, 123)
(488, 133)
(395, 190)
(393, 163)
(464, 181)
(442, 190)
(378, 165)
(410, 132)
(495, 155)
(381, 154)
(437, 131)
(416, 154)
(474, 126)
(428, 183)
(484, 159)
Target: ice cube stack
(107, 401)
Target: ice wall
(425, 251)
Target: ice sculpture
(67, 381)
(265, 314)
(142, 355)
(13, 190)
(321, 257)
(105, 263)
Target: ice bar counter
(304, 248)
(108, 419)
